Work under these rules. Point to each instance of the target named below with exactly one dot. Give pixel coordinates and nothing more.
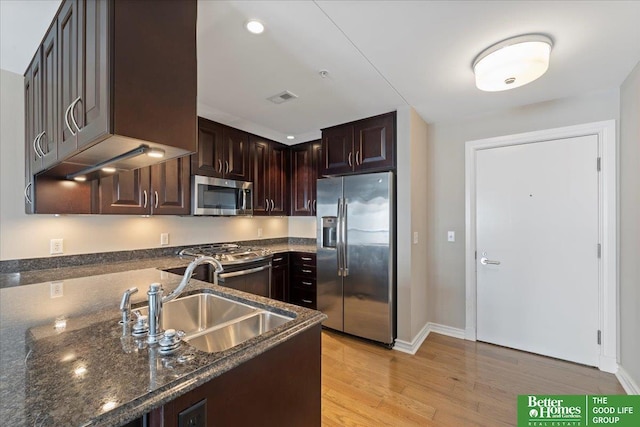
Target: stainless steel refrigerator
(356, 255)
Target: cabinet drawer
(303, 259)
(280, 259)
(303, 298)
(304, 283)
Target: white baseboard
(627, 382)
(413, 346)
(608, 364)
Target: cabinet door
(301, 177)
(280, 277)
(67, 75)
(170, 187)
(337, 150)
(126, 193)
(208, 160)
(236, 154)
(33, 124)
(260, 175)
(278, 176)
(374, 143)
(92, 111)
(316, 162)
(47, 143)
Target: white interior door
(537, 215)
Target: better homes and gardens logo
(578, 411)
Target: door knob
(485, 261)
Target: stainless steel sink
(213, 323)
(236, 332)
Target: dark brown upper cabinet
(361, 146)
(162, 189)
(106, 87)
(223, 152)
(305, 161)
(269, 162)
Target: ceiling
(380, 55)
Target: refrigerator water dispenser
(329, 231)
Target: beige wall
(445, 185)
(27, 236)
(629, 193)
(411, 216)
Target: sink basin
(213, 323)
(236, 332)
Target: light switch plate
(451, 236)
(415, 237)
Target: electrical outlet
(415, 237)
(451, 236)
(56, 246)
(259, 232)
(164, 238)
(56, 289)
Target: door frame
(607, 190)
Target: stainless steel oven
(246, 269)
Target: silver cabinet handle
(71, 110)
(314, 206)
(144, 196)
(219, 165)
(66, 119)
(307, 283)
(26, 193)
(42, 135)
(307, 204)
(277, 259)
(485, 261)
(155, 193)
(307, 271)
(350, 164)
(306, 258)
(35, 145)
(273, 205)
(266, 205)
(308, 301)
(357, 155)
(226, 166)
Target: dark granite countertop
(38, 270)
(63, 360)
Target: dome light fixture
(254, 26)
(512, 63)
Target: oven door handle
(244, 272)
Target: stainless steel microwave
(221, 197)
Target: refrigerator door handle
(339, 238)
(345, 260)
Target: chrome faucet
(125, 305)
(156, 299)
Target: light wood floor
(448, 382)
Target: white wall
(445, 185)
(27, 236)
(411, 216)
(629, 192)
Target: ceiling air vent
(282, 97)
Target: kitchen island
(64, 360)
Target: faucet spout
(189, 272)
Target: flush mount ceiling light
(254, 26)
(512, 63)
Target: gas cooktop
(229, 253)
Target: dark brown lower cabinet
(280, 387)
(303, 279)
(280, 277)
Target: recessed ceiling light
(254, 26)
(512, 63)
(291, 137)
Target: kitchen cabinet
(98, 87)
(303, 279)
(305, 162)
(223, 152)
(280, 277)
(362, 146)
(280, 387)
(162, 189)
(269, 161)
